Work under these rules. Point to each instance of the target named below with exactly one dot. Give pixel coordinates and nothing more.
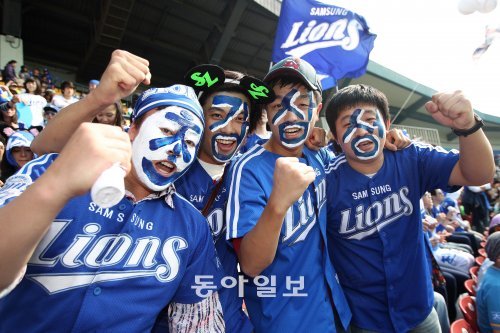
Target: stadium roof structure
(175, 35)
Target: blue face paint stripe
(181, 145)
(185, 120)
(355, 122)
(237, 106)
(281, 130)
(287, 106)
(367, 154)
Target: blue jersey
(301, 282)
(197, 186)
(375, 236)
(488, 301)
(109, 269)
(250, 141)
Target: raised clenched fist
(291, 179)
(91, 149)
(451, 110)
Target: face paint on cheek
(367, 146)
(156, 157)
(294, 134)
(225, 145)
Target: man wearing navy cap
(276, 217)
(83, 268)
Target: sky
(431, 42)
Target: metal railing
(427, 135)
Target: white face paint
(165, 146)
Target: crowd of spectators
(29, 99)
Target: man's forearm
(258, 246)
(476, 159)
(58, 131)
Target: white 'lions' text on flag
(335, 41)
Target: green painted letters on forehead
(203, 80)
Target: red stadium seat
(480, 260)
(461, 326)
(468, 307)
(470, 285)
(473, 272)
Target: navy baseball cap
(295, 67)
(176, 95)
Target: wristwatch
(465, 132)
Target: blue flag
(335, 41)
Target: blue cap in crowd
(18, 139)
(176, 95)
(96, 82)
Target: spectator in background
(36, 74)
(44, 87)
(24, 74)
(476, 202)
(93, 84)
(447, 257)
(111, 115)
(8, 115)
(67, 98)
(17, 153)
(49, 112)
(493, 195)
(2, 148)
(257, 132)
(9, 72)
(46, 77)
(487, 299)
(2, 151)
(36, 102)
(49, 95)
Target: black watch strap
(461, 132)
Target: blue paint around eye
(380, 124)
(312, 105)
(185, 120)
(235, 103)
(287, 106)
(354, 124)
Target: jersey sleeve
(246, 201)
(435, 166)
(203, 272)
(20, 181)
(325, 156)
(493, 305)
